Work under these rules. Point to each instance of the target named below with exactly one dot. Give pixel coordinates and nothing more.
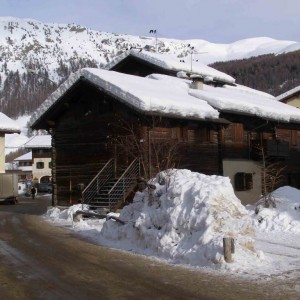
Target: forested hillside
(22, 93)
(274, 74)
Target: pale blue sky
(220, 21)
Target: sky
(218, 21)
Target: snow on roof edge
(8, 125)
(210, 73)
(287, 94)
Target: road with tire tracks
(42, 261)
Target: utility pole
(154, 31)
(192, 51)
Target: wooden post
(228, 247)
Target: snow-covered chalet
(147, 112)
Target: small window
(50, 165)
(40, 165)
(243, 181)
(238, 133)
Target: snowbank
(285, 217)
(183, 221)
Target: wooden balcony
(271, 147)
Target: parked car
(44, 187)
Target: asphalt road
(42, 261)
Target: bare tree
(272, 176)
(152, 143)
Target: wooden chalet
(239, 141)
(102, 139)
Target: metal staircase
(107, 190)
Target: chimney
(197, 83)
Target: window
(50, 165)
(243, 181)
(202, 135)
(294, 137)
(40, 165)
(238, 133)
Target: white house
(41, 157)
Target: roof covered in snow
(241, 100)
(143, 94)
(172, 96)
(24, 157)
(7, 125)
(39, 141)
(174, 63)
(288, 94)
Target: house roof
(173, 63)
(25, 168)
(146, 95)
(288, 94)
(172, 96)
(39, 141)
(7, 125)
(24, 157)
(241, 100)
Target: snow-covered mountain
(53, 51)
(24, 42)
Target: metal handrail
(127, 179)
(93, 188)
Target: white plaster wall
(38, 173)
(233, 166)
(294, 101)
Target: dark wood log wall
(84, 138)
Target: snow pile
(182, 221)
(63, 216)
(185, 220)
(285, 217)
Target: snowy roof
(235, 100)
(8, 125)
(143, 94)
(39, 141)
(25, 168)
(288, 94)
(172, 96)
(26, 156)
(174, 63)
(241, 100)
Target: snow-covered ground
(183, 221)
